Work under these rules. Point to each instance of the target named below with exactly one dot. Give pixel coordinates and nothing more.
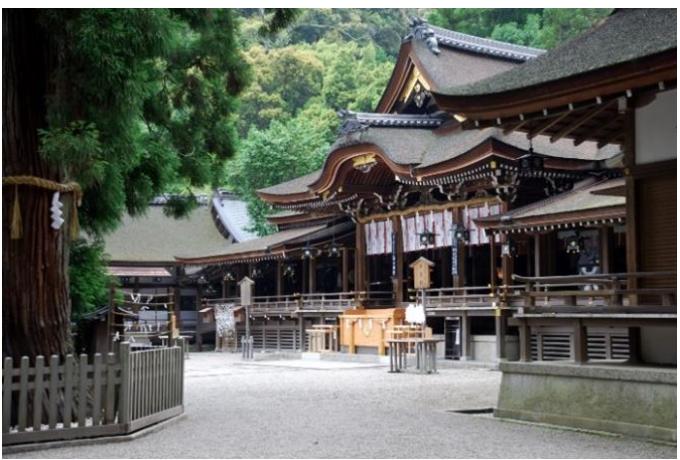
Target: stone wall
(635, 401)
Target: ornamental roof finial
(421, 30)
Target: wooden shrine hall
(404, 182)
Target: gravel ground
(309, 409)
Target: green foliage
(146, 97)
(284, 151)
(542, 28)
(88, 277)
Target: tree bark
(36, 308)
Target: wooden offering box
(361, 327)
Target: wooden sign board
(421, 273)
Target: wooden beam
(610, 139)
(508, 129)
(595, 132)
(536, 131)
(345, 270)
(589, 115)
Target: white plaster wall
(659, 344)
(656, 129)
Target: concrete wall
(656, 129)
(659, 344)
(635, 401)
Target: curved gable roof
(626, 35)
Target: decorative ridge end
(421, 30)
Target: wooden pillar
(606, 240)
(305, 275)
(360, 259)
(312, 275)
(177, 298)
(465, 336)
(634, 345)
(345, 270)
(199, 336)
(492, 256)
(580, 343)
(501, 324)
(507, 266)
(459, 280)
(279, 277)
(398, 279)
(537, 254)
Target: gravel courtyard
(312, 409)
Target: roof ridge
(433, 36)
(361, 121)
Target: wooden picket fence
(100, 395)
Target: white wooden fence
(91, 396)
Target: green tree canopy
(284, 151)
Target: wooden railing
(293, 304)
(91, 396)
(608, 291)
(561, 314)
(468, 298)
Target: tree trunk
(36, 307)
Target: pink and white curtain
(379, 237)
(437, 222)
(470, 213)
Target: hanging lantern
(289, 271)
(307, 252)
(334, 250)
(461, 234)
(575, 244)
(426, 238)
(229, 276)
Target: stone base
(630, 400)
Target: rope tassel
(16, 228)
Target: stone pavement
(309, 409)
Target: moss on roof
(156, 237)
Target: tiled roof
(458, 40)
(233, 213)
(581, 198)
(626, 35)
(423, 148)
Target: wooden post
(634, 345)
(124, 402)
(466, 352)
(398, 279)
(580, 343)
(110, 319)
(500, 324)
(312, 275)
(178, 298)
(537, 254)
(492, 256)
(345, 270)
(199, 326)
(279, 277)
(605, 249)
(352, 347)
(360, 259)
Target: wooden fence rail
(90, 396)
